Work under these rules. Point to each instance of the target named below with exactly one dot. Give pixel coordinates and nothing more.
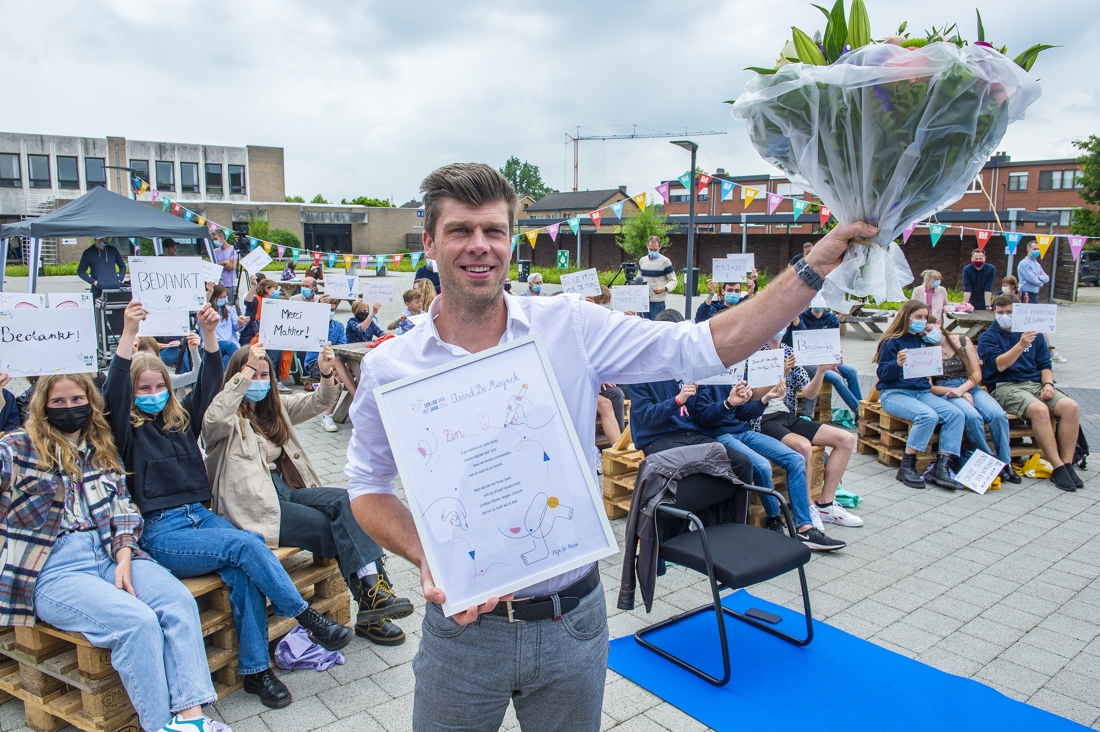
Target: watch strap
(808, 274)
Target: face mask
(978, 265)
(307, 293)
(277, 294)
(151, 403)
(654, 255)
(607, 305)
(507, 286)
(1034, 253)
(817, 312)
(69, 419)
(1004, 320)
(362, 315)
(536, 288)
(779, 336)
(932, 337)
(918, 326)
(732, 298)
(935, 284)
(432, 265)
(257, 390)
(220, 302)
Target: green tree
(285, 238)
(1086, 220)
(259, 229)
(635, 231)
(295, 199)
(525, 178)
(367, 201)
(318, 199)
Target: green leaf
(981, 28)
(758, 70)
(730, 101)
(902, 27)
(808, 52)
(836, 33)
(1027, 59)
(823, 12)
(859, 25)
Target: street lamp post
(689, 278)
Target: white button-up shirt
(587, 345)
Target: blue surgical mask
(307, 293)
(257, 390)
(932, 337)
(151, 403)
(277, 294)
(779, 335)
(536, 288)
(1034, 254)
(918, 326)
(220, 302)
(732, 298)
(654, 255)
(817, 312)
(935, 284)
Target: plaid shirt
(32, 514)
(796, 379)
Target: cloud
(367, 97)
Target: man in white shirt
(545, 649)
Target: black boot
(322, 631)
(1008, 475)
(907, 473)
(266, 685)
(383, 633)
(1073, 474)
(377, 600)
(941, 472)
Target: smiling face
(150, 382)
(471, 247)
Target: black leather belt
(541, 607)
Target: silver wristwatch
(808, 274)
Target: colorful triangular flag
(983, 238)
(267, 246)
(704, 181)
(575, 224)
(727, 191)
(1076, 244)
(532, 236)
(595, 216)
(316, 259)
(774, 199)
(200, 220)
(176, 209)
(165, 203)
(379, 263)
(397, 259)
(824, 214)
(212, 226)
(750, 193)
(685, 179)
(908, 232)
(799, 206)
(144, 187)
(1012, 238)
(363, 259)
(1044, 241)
(347, 262)
(156, 194)
(417, 255)
(253, 242)
(640, 200)
(617, 209)
(331, 260)
(189, 215)
(662, 191)
(552, 229)
(513, 249)
(281, 249)
(936, 231)
(295, 253)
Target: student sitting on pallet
(265, 483)
(157, 438)
(913, 400)
(73, 560)
(1016, 368)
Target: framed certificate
(502, 493)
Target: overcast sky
(368, 97)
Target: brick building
(558, 206)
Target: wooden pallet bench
(63, 679)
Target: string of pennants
(177, 209)
(800, 206)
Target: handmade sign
(165, 323)
(980, 471)
(341, 287)
(293, 325)
(22, 300)
(816, 347)
(749, 260)
(766, 368)
(735, 374)
(1039, 318)
(728, 270)
(256, 260)
(375, 290)
(212, 271)
(70, 299)
(922, 362)
(40, 341)
(168, 283)
(585, 283)
(502, 493)
(630, 298)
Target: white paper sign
(766, 368)
(1039, 318)
(70, 299)
(375, 290)
(922, 362)
(294, 325)
(748, 259)
(256, 260)
(212, 271)
(816, 347)
(728, 270)
(165, 323)
(39, 341)
(502, 493)
(583, 283)
(980, 471)
(169, 283)
(626, 298)
(22, 300)
(341, 287)
(735, 374)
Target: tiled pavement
(1003, 588)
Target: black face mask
(507, 286)
(69, 419)
(362, 315)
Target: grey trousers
(552, 671)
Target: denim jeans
(655, 309)
(925, 410)
(227, 348)
(191, 540)
(553, 671)
(155, 638)
(985, 410)
(846, 384)
(761, 448)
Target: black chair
(733, 556)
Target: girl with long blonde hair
(73, 558)
(427, 293)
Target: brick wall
(265, 166)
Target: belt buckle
(511, 617)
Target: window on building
(1078, 179)
(141, 170)
(38, 169)
(213, 177)
(189, 177)
(704, 196)
(10, 176)
(68, 174)
(328, 237)
(1017, 181)
(1064, 214)
(166, 175)
(1067, 179)
(789, 189)
(95, 173)
(975, 186)
(236, 179)
(680, 196)
(1056, 180)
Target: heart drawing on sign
(168, 298)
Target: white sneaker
(815, 518)
(198, 724)
(284, 389)
(1058, 359)
(837, 514)
(329, 424)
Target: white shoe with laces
(329, 424)
(837, 514)
(815, 518)
(198, 724)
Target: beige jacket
(236, 456)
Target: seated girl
(146, 344)
(362, 327)
(157, 438)
(73, 558)
(264, 482)
(261, 290)
(229, 324)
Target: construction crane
(576, 137)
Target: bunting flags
(267, 246)
(727, 191)
(1076, 244)
(936, 231)
(595, 216)
(825, 214)
(363, 260)
(416, 258)
(1044, 241)
(165, 204)
(144, 187)
(617, 209)
(200, 221)
(281, 250)
(1012, 238)
(983, 238)
(513, 249)
(379, 263)
(552, 229)
(799, 207)
(316, 259)
(704, 181)
(638, 199)
(189, 215)
(575, 225)
(397, 259)
(750, 193)
(156, 195)
(212, 226)
(662, 191)
(908, 232)
(774, 199)
(532, 236)
(347, 262)
(685, 179)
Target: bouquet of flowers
(886, 132)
